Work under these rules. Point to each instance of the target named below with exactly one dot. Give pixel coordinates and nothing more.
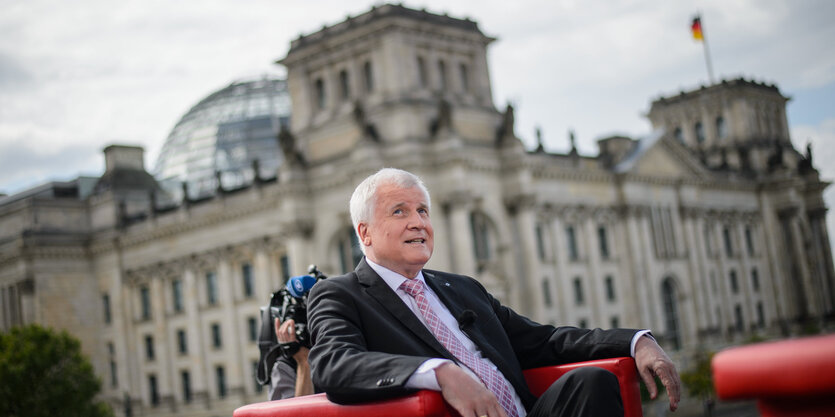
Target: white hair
(365, 195)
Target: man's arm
(341, 363)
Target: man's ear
(365, 237)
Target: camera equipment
(291, 303)
(287, 303)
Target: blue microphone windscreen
(298, 286)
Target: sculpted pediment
(660, 156)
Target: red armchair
(788, 378)
(427, 403)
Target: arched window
(465, 78)
(319, 86)
(671, 319)
(369, 77)
(481, 236)
(348, 248)
(442, 74)
(679, 135)
(721, 128)
(700, 133)
(344, 87)
(421, 67)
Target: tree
(44, 373)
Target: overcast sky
(76, 76)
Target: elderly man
(390, 327)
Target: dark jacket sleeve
(341, 363)
(536, 345)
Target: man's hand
(465, 394)
(651, 362)
(286, 333)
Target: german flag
(696, 28)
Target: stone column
(462, 253)
(231, 324)
(296, 236)
(194, 333)
(521, 209)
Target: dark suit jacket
(367, 342)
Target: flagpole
(707, 53)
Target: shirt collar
(392, 279)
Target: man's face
(399, 235)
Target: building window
(740, 323)
(319, 86)
(344, 87)
(721, 128)
(760, 315)
(713, 285)
(252, 324)
(604, 243)
(177, 294)
(540, 242)
(678, 134)
(211, 288)
(729, 247)
(248, 281)
(670, 302)
(610, 288)
(700, 133)
(583, 324)
(614, 322)
(348, 247)
(220, 375)
(572, 243)
(755, 279)
(149, 347)
(734, 283)
(114, 380)
(145, 296)
(481, 236)
(105, 301)
(546, 291)
(152, 390)
(579, 297)
(285, 268)
(369, 77)
(217, 342)
(749, 242)
(185, 380)
(465, 77)
(442, 74)
(421, 67)
(182, 342)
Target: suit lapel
(377, 289)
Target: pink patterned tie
(490, 376)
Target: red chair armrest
(539, 379)
(427, 403)
(799, 367)
(422, 403)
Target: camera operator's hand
(286, 333)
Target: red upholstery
(431, 403)
(788, 378)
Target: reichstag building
(710, 230)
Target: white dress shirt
(424, 376)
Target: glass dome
(225, 132)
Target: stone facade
(667, 232)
